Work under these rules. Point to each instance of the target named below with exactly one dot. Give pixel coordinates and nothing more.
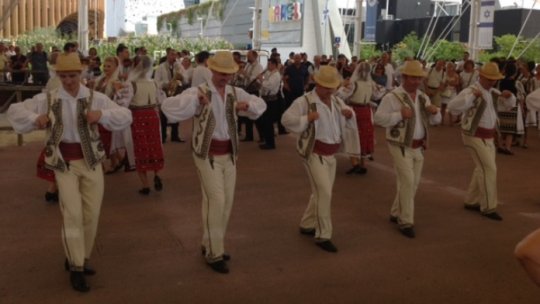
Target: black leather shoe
(393, 219)
(493, 216)
(179, 140)
(408, 232)
(470, 207)
(87, 270)
(51, 197)
(144, 191)
(246, 139)
(360, 170)
(219, 266)
(327, 246)
(225, 256)
(352, 170)
(158, 185)
(266, 147)
(307, 231)
(78, 282)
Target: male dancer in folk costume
(357, 94)
(405, 112)
(214, 107)
(478, 124)
(324, 124)
(74, 151)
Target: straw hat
(328, 77)
(413, 68)
(223, 62)
(490, 71)
(68, 62)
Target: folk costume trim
(471, 118)
(91, 144)
(402, 133)
(204, 124)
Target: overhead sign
(371, 20)
(285, 11)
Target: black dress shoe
(493, 216)
(307, 231)
(87, 270)
(246, 139)
(408, 232)
(352, 170)
(78, 282)
(179, 140)
(361, 170)
(219, 266)
(158, 185)
(472, 207)
(393, 219)
(266, 147)
(51, 197)
(327, 246)
(225, 256)
(144, 191)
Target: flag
(485, 24)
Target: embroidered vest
(306, 140)
(144, 94)
(204, 124)
(362, 93)
(91, 144)
(471, 118)
(402, 133)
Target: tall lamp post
(201, 32)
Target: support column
(37, 13)
(63, 10)
(358, 29)
(2, 32)
(50, 13)
(256, 42)
(45, 13)
(58, 13)
(21, 11)
(473, 29)
(83, 26)
(29, 16)
(15, 21)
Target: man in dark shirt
(18, 67)
(38, 61)
(295, 79)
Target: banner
(282, 22)
(485, 24)
(371, 20)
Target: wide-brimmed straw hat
(413, 68)
(223, 62)
(328, 77)
(491, 71)
(68, 62)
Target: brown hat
(223, 62)
(490, 71)
(328, 77)
(68, 62)
(413, 68)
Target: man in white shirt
(434, 84)
(201, 74)
(165, 79)
(405, 112)
(389, 70)
(214, 106)
(478, 131)
(271, 82)
(323, 123)
(187, 72)
(252, 75)
(70, 115)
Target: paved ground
(148, 247)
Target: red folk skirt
(106, 138)
(42, 172)
(365, 128)
(145, 131)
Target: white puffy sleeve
(295, 118)
(256, 108)
(113, 116)
(22, 116)
(181, 107)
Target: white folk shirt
(327, 127)
(186, 105)
(464, 101)
(271, 83)
(163, 73)
(201, 74)
(435, 78)
(253, 70)
(23, 115)
(468, 78)
(389, 113)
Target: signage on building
(371, 20)
(485, 24)
(285, 11)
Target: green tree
(445, 50)
(368, 51)
(408, 47)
